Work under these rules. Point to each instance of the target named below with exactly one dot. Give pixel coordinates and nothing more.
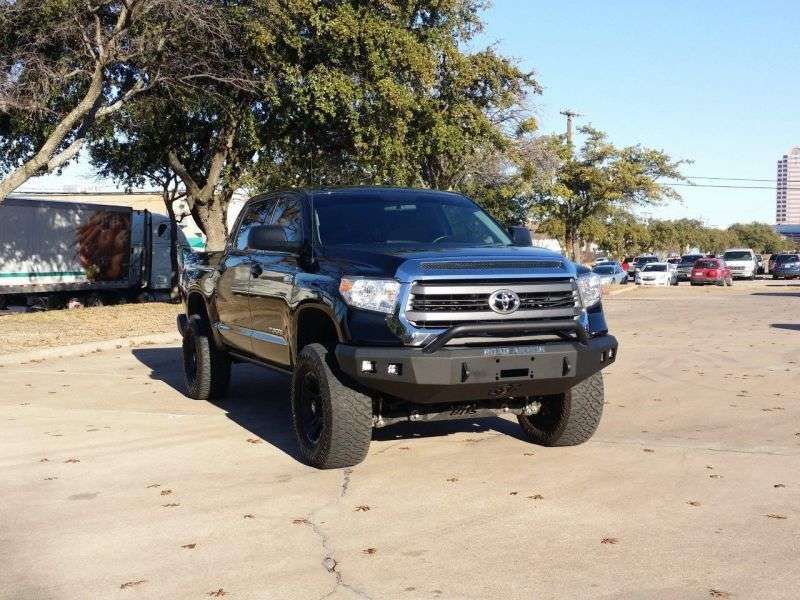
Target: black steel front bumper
(463, 374)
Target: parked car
(786, 266)
(601, 259)
(611, 273)
(657, 273)
(674, 260)
(711, 270)
(685, 266)
(393, 305)
(639, 262)
(742, 262)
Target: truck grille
(446, 303)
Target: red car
(710, 270)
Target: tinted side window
(257, 213)
(289, 215)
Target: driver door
(236, 271)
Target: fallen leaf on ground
(609, 540)
(254, 440)
(513, 493)
(718, 593)
(294, 521)
(249, 516)
(776, 516)
(130, 584)
(170, 505)
(369, 550)
(153, 485)
(217, 593)
(693, 503)
(72, 460)
(715, 476)
(362, 508)
(536, 497)
(166, 492)
(779, 485)
(648, 449)
(452, 479)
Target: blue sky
(714, 81)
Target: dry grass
(31, 331)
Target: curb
(19, 358)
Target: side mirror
(271, 238)
(520, 236)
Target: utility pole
(570, 114)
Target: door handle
(256, 270)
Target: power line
(733, 187)
(740, 179)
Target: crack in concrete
(328, 560)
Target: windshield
(404, 219)
(604, 270)
(689, 259)
(783, 259)
(706, 264)
(737, 255)
(646, 259)
(651, 268)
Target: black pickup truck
(390, 305)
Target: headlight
(371, 294)
(589, 289)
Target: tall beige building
(787, 201)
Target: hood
(407, 264)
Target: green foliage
(760, 237)
(598, 180)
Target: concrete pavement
(115, 485)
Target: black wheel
(332, 422)
(568, 419)
(94, 300)
(206, 369)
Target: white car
(610, 273)
(742, 262)
(657, 273)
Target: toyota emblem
(504, 302)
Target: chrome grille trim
(520, 288)
(437, 303)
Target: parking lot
(116, 485)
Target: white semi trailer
(53, 252)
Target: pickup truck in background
(742, 262)
(391, 305)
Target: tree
(622, 234)
(68, 65)
(344, 93)
(761, 237)
(599, 179)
